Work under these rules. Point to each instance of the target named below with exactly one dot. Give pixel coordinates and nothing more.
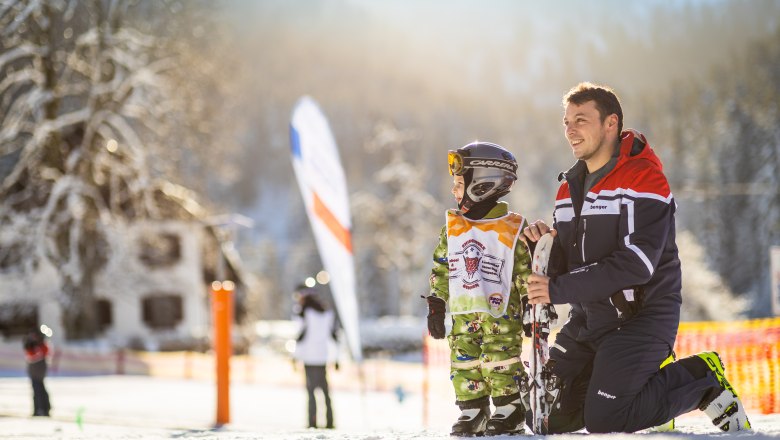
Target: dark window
(162, 311)
(18, 318)
(103, 314)
(160, 249)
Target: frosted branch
(11, 29)
(17, 53)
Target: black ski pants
(316, 378)
(41, 405)
(614, 384)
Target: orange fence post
(222, 307)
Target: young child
(479, 269)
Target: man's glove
(436, 309)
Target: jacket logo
(471, 265)
(583, 268)
(599, 207)
(472, 256)
(495, 300)
(608, 396)
(491, 163)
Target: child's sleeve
(522, 268)
(440, 274)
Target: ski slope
(141, 407)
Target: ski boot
(507, 419)
(472, 421)
(723, 405)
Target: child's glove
(436, 309)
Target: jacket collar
(633, 145)
(501, 209)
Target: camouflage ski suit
(485, 351)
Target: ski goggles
(455, 162)
(458, 164)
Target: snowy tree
(705, 295)
(396, 227)
(86, 101)
(725, 167)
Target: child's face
(457, 188)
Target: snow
(135, 407)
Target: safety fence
(267, 367)
(749, 349)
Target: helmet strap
(471, 209)
(479, 210)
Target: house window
(162, 249)
(18, 318)
(103, 314)
(162, 311)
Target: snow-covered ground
(133, 407)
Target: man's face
(458, 186)
(584, 130)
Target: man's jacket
(618, 244)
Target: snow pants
(41, 405)
(316, 377)
(614, 384)
(485, 357)
(36, 371)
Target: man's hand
(436, 309)
(535, 230)
(538, 289)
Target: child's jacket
(478, 264)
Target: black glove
(436, 309)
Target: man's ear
(612, 120)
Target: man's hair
(606, 100)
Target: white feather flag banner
(321, 179)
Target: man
(618, 268)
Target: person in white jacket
(316, 348)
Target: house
(152, 293)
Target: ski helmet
(488, 171)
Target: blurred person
(618, 267)
(315, 349)
(35, 352)
(479, 271)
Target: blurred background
(144, 148)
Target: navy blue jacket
(618, 247)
